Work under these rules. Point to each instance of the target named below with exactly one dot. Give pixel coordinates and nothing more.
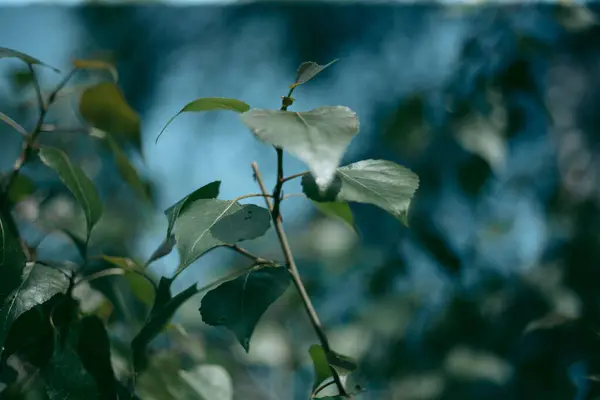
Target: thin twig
(287, 196)
(13, 124)
(293, 269)
(244, 252)
(289, 178)
(38, 90)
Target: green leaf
(77, 182)
(337, 209)
(209, 104)
(211, 382)
(162, 312)
(307, 71)
(97, 64)
(104, 107)
(39, 284)
(126, 170)
(320, 365)
(164, 249)
(65, 375)
(142, 289)
(9, 53)
(21, 188)
(239, 304)
(208, 191)
(378, 182)
(208, 223)
(318, 137)
(94, 352)
(12, 260)
(343, 364)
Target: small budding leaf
(209, 191)
(97, 64)
(208, 223)
(239, 304)
(320, 365)
(39, 284)
(209, 104)
(9, 53)
(338, 210)
(307, 71)
(12, 260)
(318, 137)
(77, 182)
(384, 184)
(104, 107)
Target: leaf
(239, 304)
(343, 364)
(94, 352)
(141, 288)
(378, 182)
(77, 182)
(337, 209)
(307, 71)
(77, 241)
(65, 375)
(162, 312)
(97, 64)
(9, 53)
(320, 365)
(126, 170)
(208, 191)
(21, 188)
(318, 137)
(104, 107)
(164, 249)
(211, 382)
(122, 262)
(208, 223)
(209, 104)
(39, 284)
(12, 260)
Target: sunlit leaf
(9, 53)
(77, 182)
(39, 284)
(339, 210)
(320, 365)
(308, 70)
(318, 137)
(211, 382)
(12, 260)
(104, 107)
(97, 64)
(208, 223)
(239, 304)
(378, 182)
(208, 191)
(162, 312)
(209, 104)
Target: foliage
(39, 305)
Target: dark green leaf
(164, 249)
(382, 183)
(94, 351)
(9, 53)
(104, 107)
(21, 188)
(318, 137)
(39, 284)
(209, 104)
(320, 365)
(209, 191)
(160, 316)
(77, 182)
(343, 364)
(12, 260)
(65, 375)
(239, 304)
(308, 70)
(208, 223)
(337, 209)
(211, 382)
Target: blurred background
(494, 290)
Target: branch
(14, 124)
(293, 269)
